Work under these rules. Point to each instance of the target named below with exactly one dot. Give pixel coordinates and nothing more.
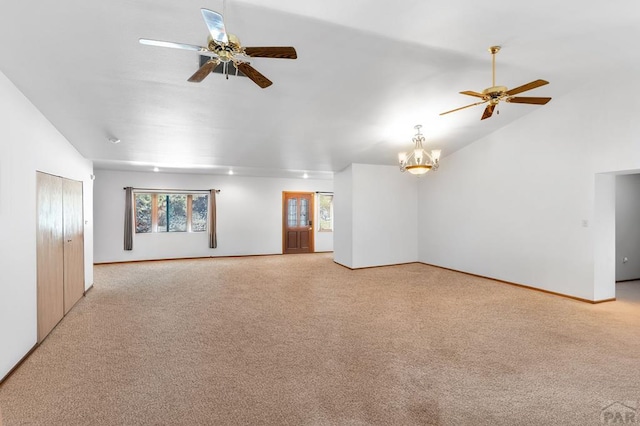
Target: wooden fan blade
(215, 24)
(488, 111)
(528, 86)
(171, 44)
(254, 75)
(285, 52)
(528, 100)
(466, 106)
(204, 71)
(472, 93)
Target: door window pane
(304, 212)
(292, 212)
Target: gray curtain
(128, 218)
(213, 237)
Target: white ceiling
(366, 73)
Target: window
(156, 212)
(143, 214)
(199, 205)
(325, 212)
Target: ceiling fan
(495, 94)
(224, 48)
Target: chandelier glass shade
(419, 161)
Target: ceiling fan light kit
(225, 48)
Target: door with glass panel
(297, 222)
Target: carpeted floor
(299, 340)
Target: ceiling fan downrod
(493, 50)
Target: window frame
(154, 210)
(319, 228)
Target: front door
(297, 223)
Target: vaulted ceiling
(366, 73)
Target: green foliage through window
(199, 205)
(143, 213)
(325, 212)
(171, 212)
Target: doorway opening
(628, 227)
(617, 204)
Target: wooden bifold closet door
(60, 249)
(50, 253)
(73, 234)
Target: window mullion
(189, 212)
(154, 213)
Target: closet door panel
(50, 253)
(73, 243)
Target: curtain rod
(172, 190)
(323, 192)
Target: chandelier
(419, 161)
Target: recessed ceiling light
(114, 140)
(305, 176)
(230, 172)
(155, 169)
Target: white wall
(29, 143)
(383, 207)
(628, 227)
(343, 221)
(533, 202)
(249, 216)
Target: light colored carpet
(299, 340)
